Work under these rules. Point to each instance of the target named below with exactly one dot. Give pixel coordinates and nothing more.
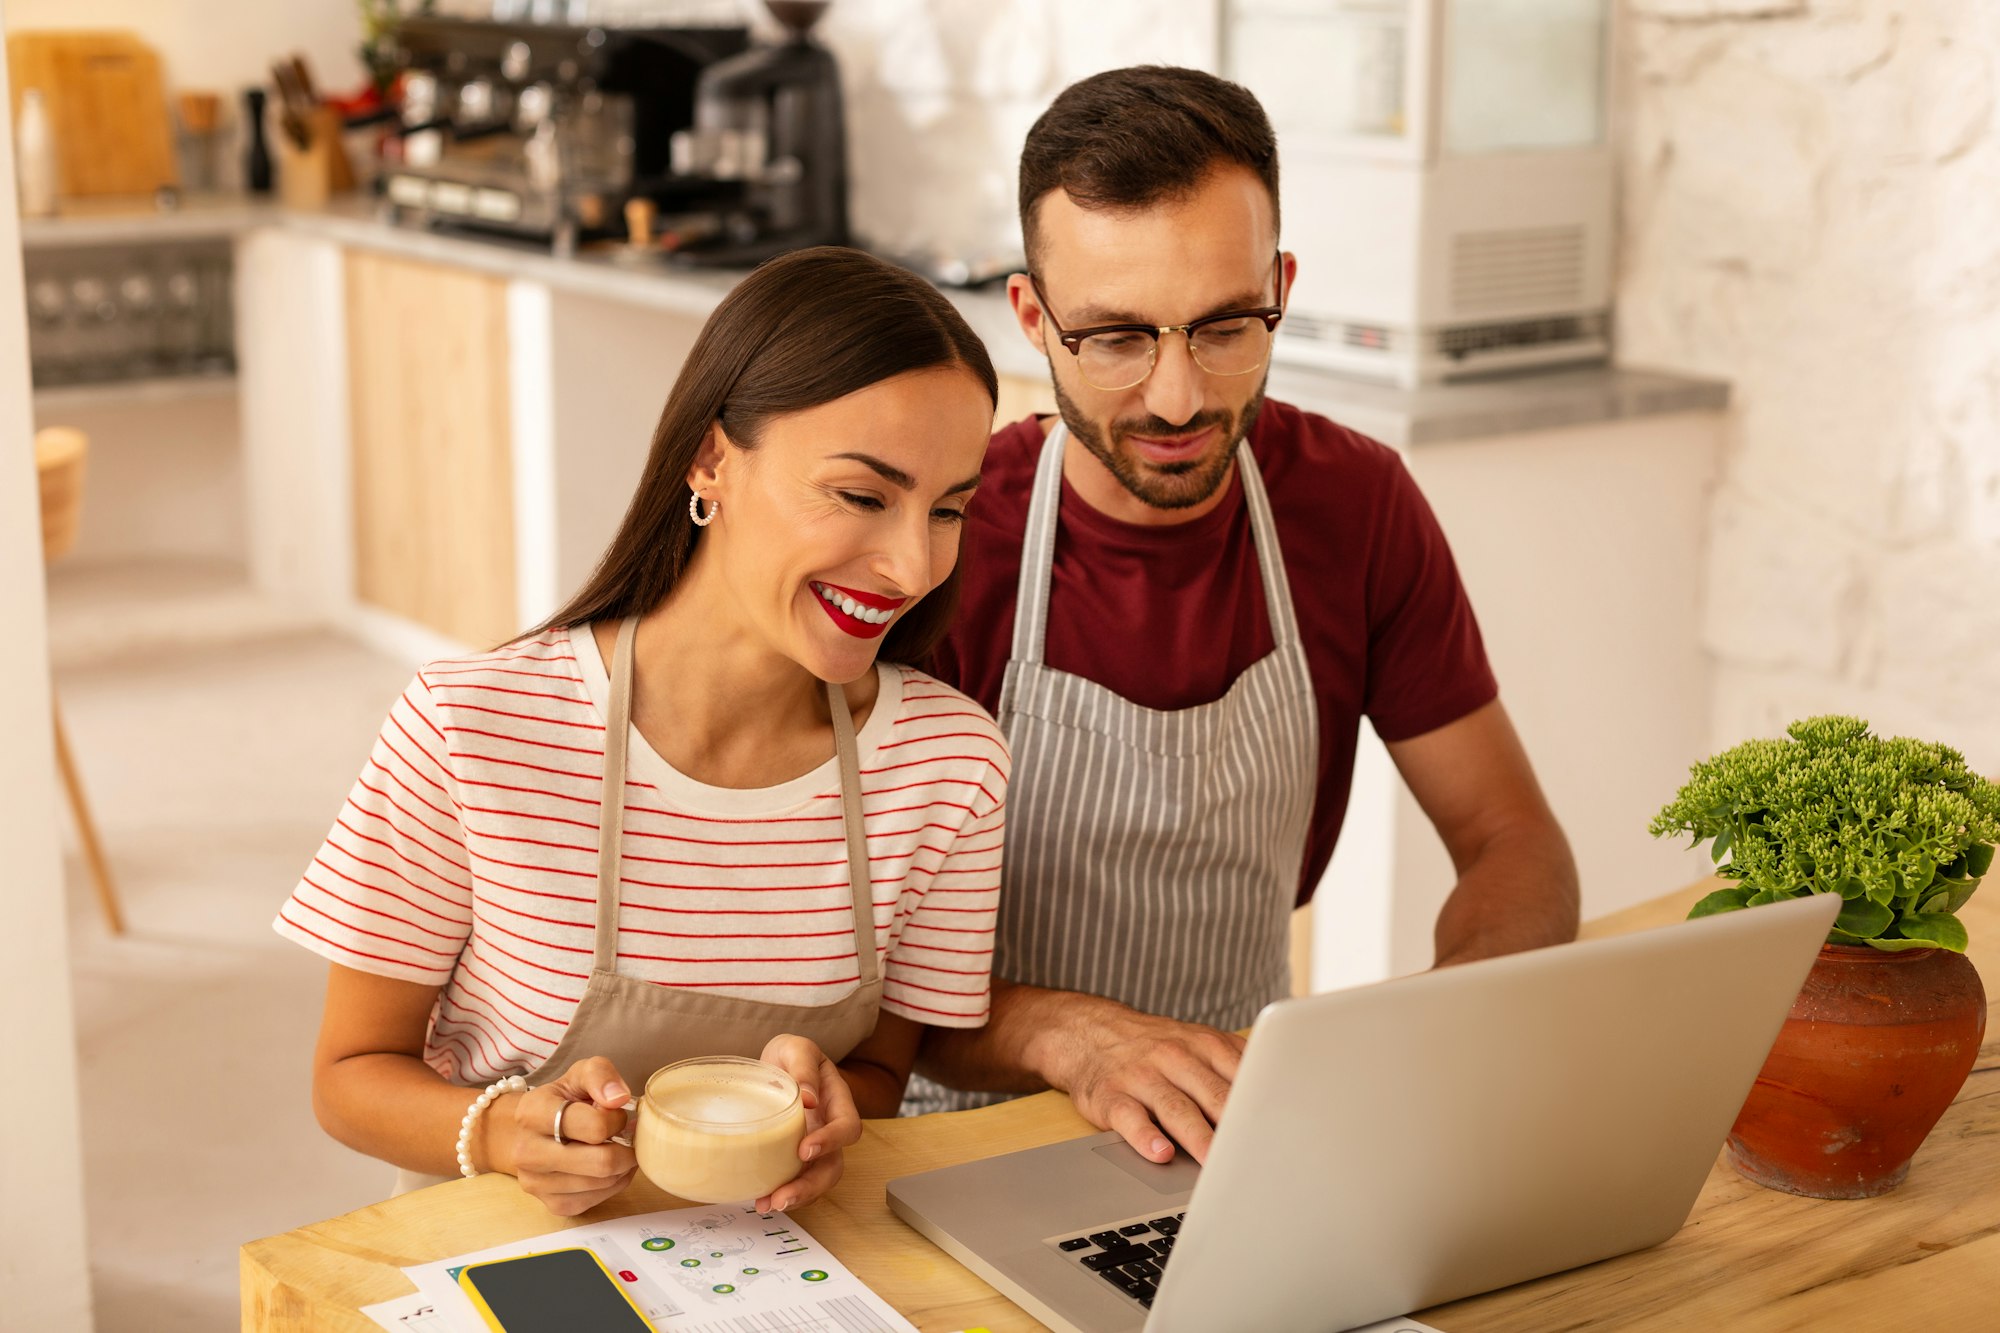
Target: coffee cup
(720, 1129)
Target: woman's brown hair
(804, 329)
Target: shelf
(158, 391)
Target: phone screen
(557, 1292)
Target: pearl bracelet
(512, 1083)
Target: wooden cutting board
(107, 108)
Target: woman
(620, 840)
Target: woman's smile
(865, 615)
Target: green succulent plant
(1899, 828)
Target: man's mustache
(1195, 424)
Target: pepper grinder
(256, 153)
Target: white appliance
(1445, 176)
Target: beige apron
(640, 1026)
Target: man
(1180, 636)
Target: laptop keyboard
(1129, 1255)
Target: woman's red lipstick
(871, 614)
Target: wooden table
(1924, 1257)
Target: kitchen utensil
(106, 106)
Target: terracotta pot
(1876, 1047)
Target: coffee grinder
(768, 149)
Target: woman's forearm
(397, 1108)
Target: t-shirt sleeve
(1426, 659)
(940, 969)
(389, 891)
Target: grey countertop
(1432, 414)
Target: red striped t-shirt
(466, 857)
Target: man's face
(1170, 439)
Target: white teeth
(867, 615)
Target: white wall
(44, 1283)
(1812, 211)
(219, 45)
(940, 94)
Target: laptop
(1395, 1146)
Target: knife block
(309, 176)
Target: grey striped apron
(1152, 857)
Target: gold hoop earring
(702, 520)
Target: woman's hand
(586, 1168)
(832, 1123)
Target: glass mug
(720, 1129)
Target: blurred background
(340, 326)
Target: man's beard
(1163, 485)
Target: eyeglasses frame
(1073, 338)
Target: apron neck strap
(1038, 550)
(611, 818)
(611, 814)
(1270, 560)
(859, 880)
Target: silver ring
(560, 1108)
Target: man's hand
(1139, 1074)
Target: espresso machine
(763, 168)
(542, 131)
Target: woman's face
(844, 515)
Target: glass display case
(106, 314)
(1358, 51)
(1520, 74)
(1447, 178)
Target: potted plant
(1890, 1019)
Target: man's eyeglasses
(1111, 357)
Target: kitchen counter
(1396, 416)
(1434, 414)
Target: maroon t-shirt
(1169, 616)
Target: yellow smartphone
(555, 1291)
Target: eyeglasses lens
(1113, 361)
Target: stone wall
(1812, 211)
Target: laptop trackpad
(1175, 1177)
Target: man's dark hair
(1129, 138)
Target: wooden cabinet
(432, 449)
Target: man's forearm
(1022, 1046)
(1519, 893)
